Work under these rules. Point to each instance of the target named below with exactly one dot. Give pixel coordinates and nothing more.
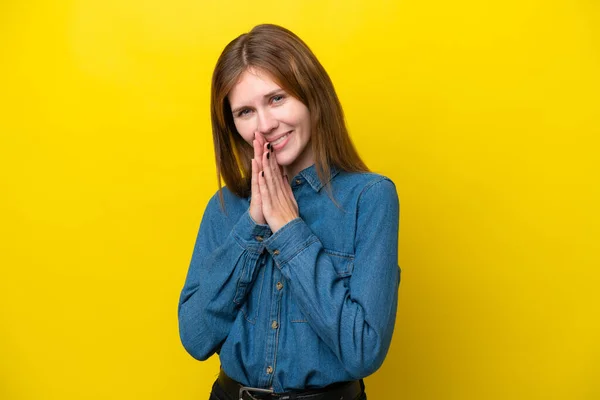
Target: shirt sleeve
(221, 272)
(355, 319)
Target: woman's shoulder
(225, 203)
(364, 188)
(365, 181)
(369, 191)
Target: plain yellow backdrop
(485, 115)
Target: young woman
(294, 276)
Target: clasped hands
(272, 200)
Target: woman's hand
(256, 211)
(278, 203)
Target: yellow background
(485, 115)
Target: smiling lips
(280, 140)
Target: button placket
(273, 329)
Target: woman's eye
(277, 99)
(243, 112)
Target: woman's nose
(266, 122)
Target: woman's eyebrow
(271, 93)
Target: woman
(294, 276)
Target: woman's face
(258, 104)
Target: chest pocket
(343, 264)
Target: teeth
(281, 139)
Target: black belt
(344, 390)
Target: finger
(283, 175)
(257, 152)
(254, 185)
(277, 170)
(261, 139)
(264, 194)
(289, 194)
(266, 162)
(255, 148)
(273, 168)
(282, 185)
(288, 187)
(275, 193)
(279, 196)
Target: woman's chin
(283, 160)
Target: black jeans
(218, 394)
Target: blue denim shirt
(314, 303)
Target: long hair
(293, 66)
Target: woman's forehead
(252, 83)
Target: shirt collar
(310, 175)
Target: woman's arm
(223, 267)
(355, 320)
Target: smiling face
(258, 104)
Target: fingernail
(269, 146)
(263, 173)
(267, 156)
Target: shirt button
(279, 285)
(274, 325)
(269, 370)
(298, 181)
(276, 252)
(259, 238)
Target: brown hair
(289, 61)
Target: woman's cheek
(245, 130)
(282, 113)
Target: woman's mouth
(279, 143)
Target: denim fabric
(308, 306)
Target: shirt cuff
(289, 240)
(251, 235)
